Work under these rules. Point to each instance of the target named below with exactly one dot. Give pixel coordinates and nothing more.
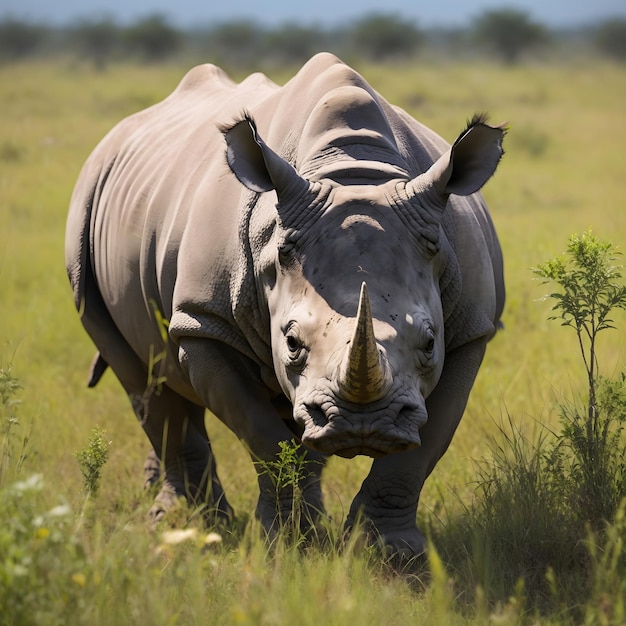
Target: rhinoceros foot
(166, 501)
(169, 501)
(400, 549)
(177, 489)
(398, 545)
(403, 545)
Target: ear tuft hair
(478, 119)
(481, 118)
(244, 116)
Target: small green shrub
(290, 466)
(92, 459)
(287, 472)
(590, 453)
(547, 513)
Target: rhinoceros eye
(427, 351)
(295, 347)
(293, 344)
(429, 348)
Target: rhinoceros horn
(364, 375)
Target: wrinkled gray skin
(327, 270)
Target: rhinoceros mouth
(350, 430)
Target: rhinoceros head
(353, 290)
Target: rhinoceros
(306, 261)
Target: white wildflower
(211, 538)
(173, 537)
(34, 483)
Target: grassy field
(563, 172)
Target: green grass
(563, 172)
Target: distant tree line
(509, 34)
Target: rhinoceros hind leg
(181, 455)
(174, 425)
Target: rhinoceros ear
(257, 166)
(471, 160)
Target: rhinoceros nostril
(317, 415)
(404, 413)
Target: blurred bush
(509, 33)
(610, 38)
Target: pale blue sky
(325, 13)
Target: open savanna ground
(95, 562)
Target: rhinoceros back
(157, 179)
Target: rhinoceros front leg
(295, 504)
(230, 386)
(389, 495)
